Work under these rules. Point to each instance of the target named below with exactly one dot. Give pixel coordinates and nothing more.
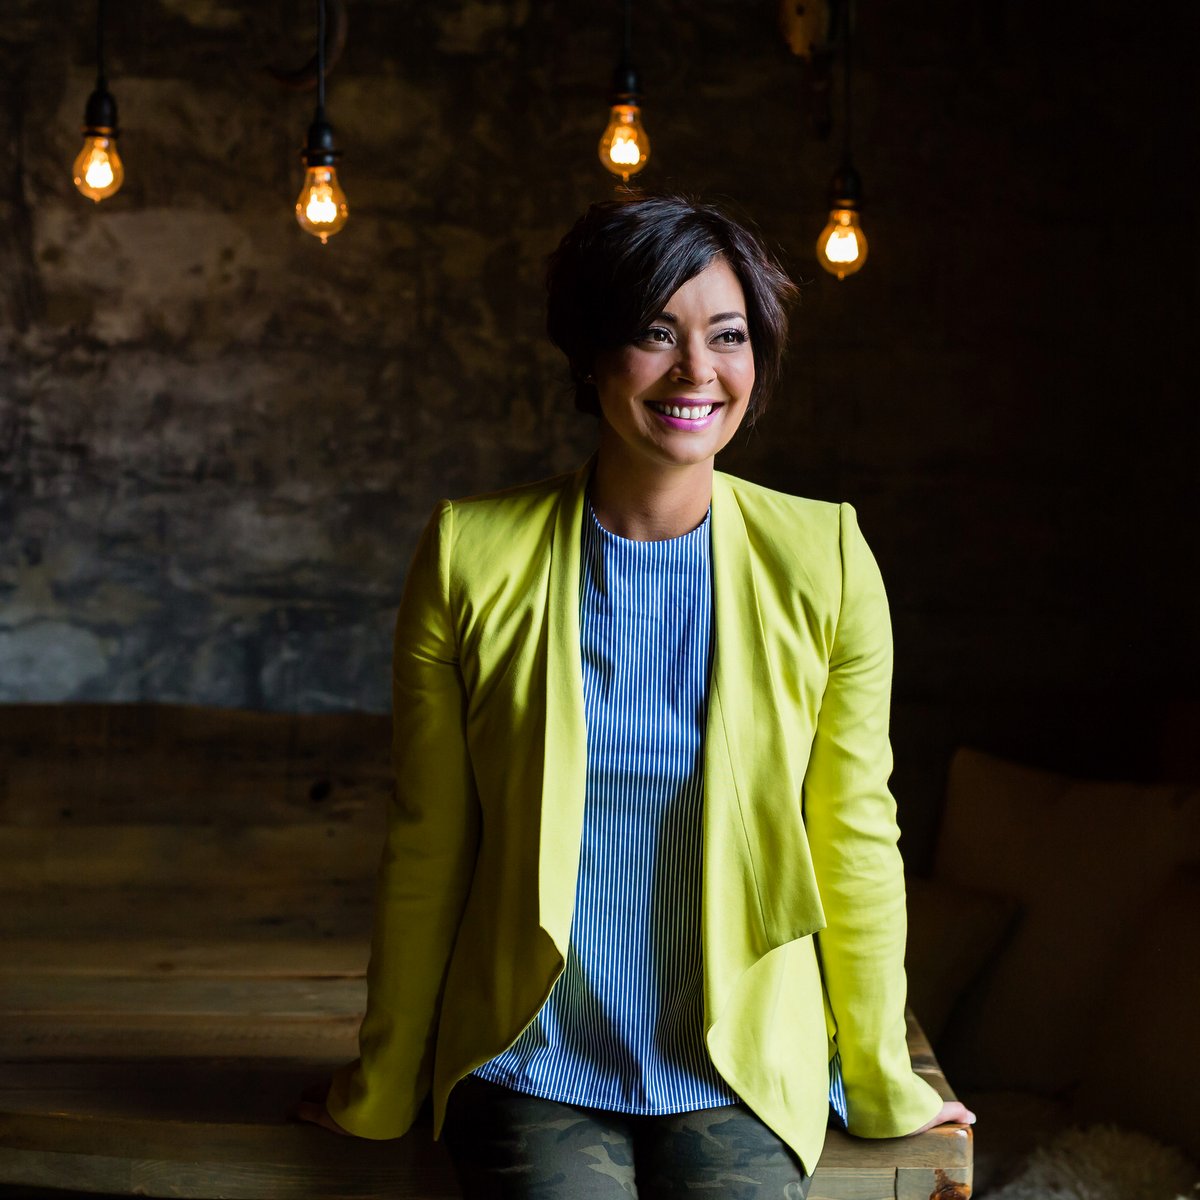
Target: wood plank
(320, 906)
(269, 956)
(916, 1184)
(13, 1192)
(101, 764)
(202, 1159)
(306, 1179)
(158, 785)
(60, 1017)
(211, 1093)
(221, 1091)
(181, 856)
(68, 999)
(252, 1162)
(942, 1147)
(185, 903)
(103, 725)
(852, 1183)
(111, 728)
(237, 1089)
(149, 1038)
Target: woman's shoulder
(817, 539)
(764, 503)
(490, 522)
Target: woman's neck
(649, 502)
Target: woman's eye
(656, 334)
(732, 337)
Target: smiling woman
(675, 395)
(640, 918)
(661, 306)
(618, 268)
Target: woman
(641, 886)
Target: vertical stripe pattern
(837, 1093)
(623, 1028)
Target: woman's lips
(690, 415)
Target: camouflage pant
(509, 1146)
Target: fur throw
(1103, 1163)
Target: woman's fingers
(952, 1113)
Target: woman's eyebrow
(715, 319)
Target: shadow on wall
(221, 439)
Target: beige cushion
(952, 932)
(1083, 859)
(1144, 1068)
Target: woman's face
(677, 393)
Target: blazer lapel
(759, 886)
(564, 776)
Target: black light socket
(845, 188)
(626, 86)
(319, 150)
(100, 116)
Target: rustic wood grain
(31, 729)
(268, 956)
(209, 1090)
(110, 764)
(199, 1159)
(183, 855)
(324, 906)
(148, 1039)
(916, 1183)
(78, 998)
(145, 789)
(185, 908)
(853, 1183)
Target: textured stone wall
(219, 439)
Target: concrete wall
(219, 439)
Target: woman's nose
(694, 364)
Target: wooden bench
(184, 927)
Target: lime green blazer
(803, 916)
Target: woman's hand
(952, 1113)
(311, 1108)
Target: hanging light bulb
(624, 146)
(98, 171)
(321, 207)
(842, 246)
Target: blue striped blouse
(623, 1028)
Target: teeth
(687, 413)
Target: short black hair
(623, 260)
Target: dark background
(219, 439)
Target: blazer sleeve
(428, 857)
(850, 818)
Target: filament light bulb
(625, 147)
(842, 246)
(321, 208)
(98, 169)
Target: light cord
(846, 89)
(320, 59)
(101, 81)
